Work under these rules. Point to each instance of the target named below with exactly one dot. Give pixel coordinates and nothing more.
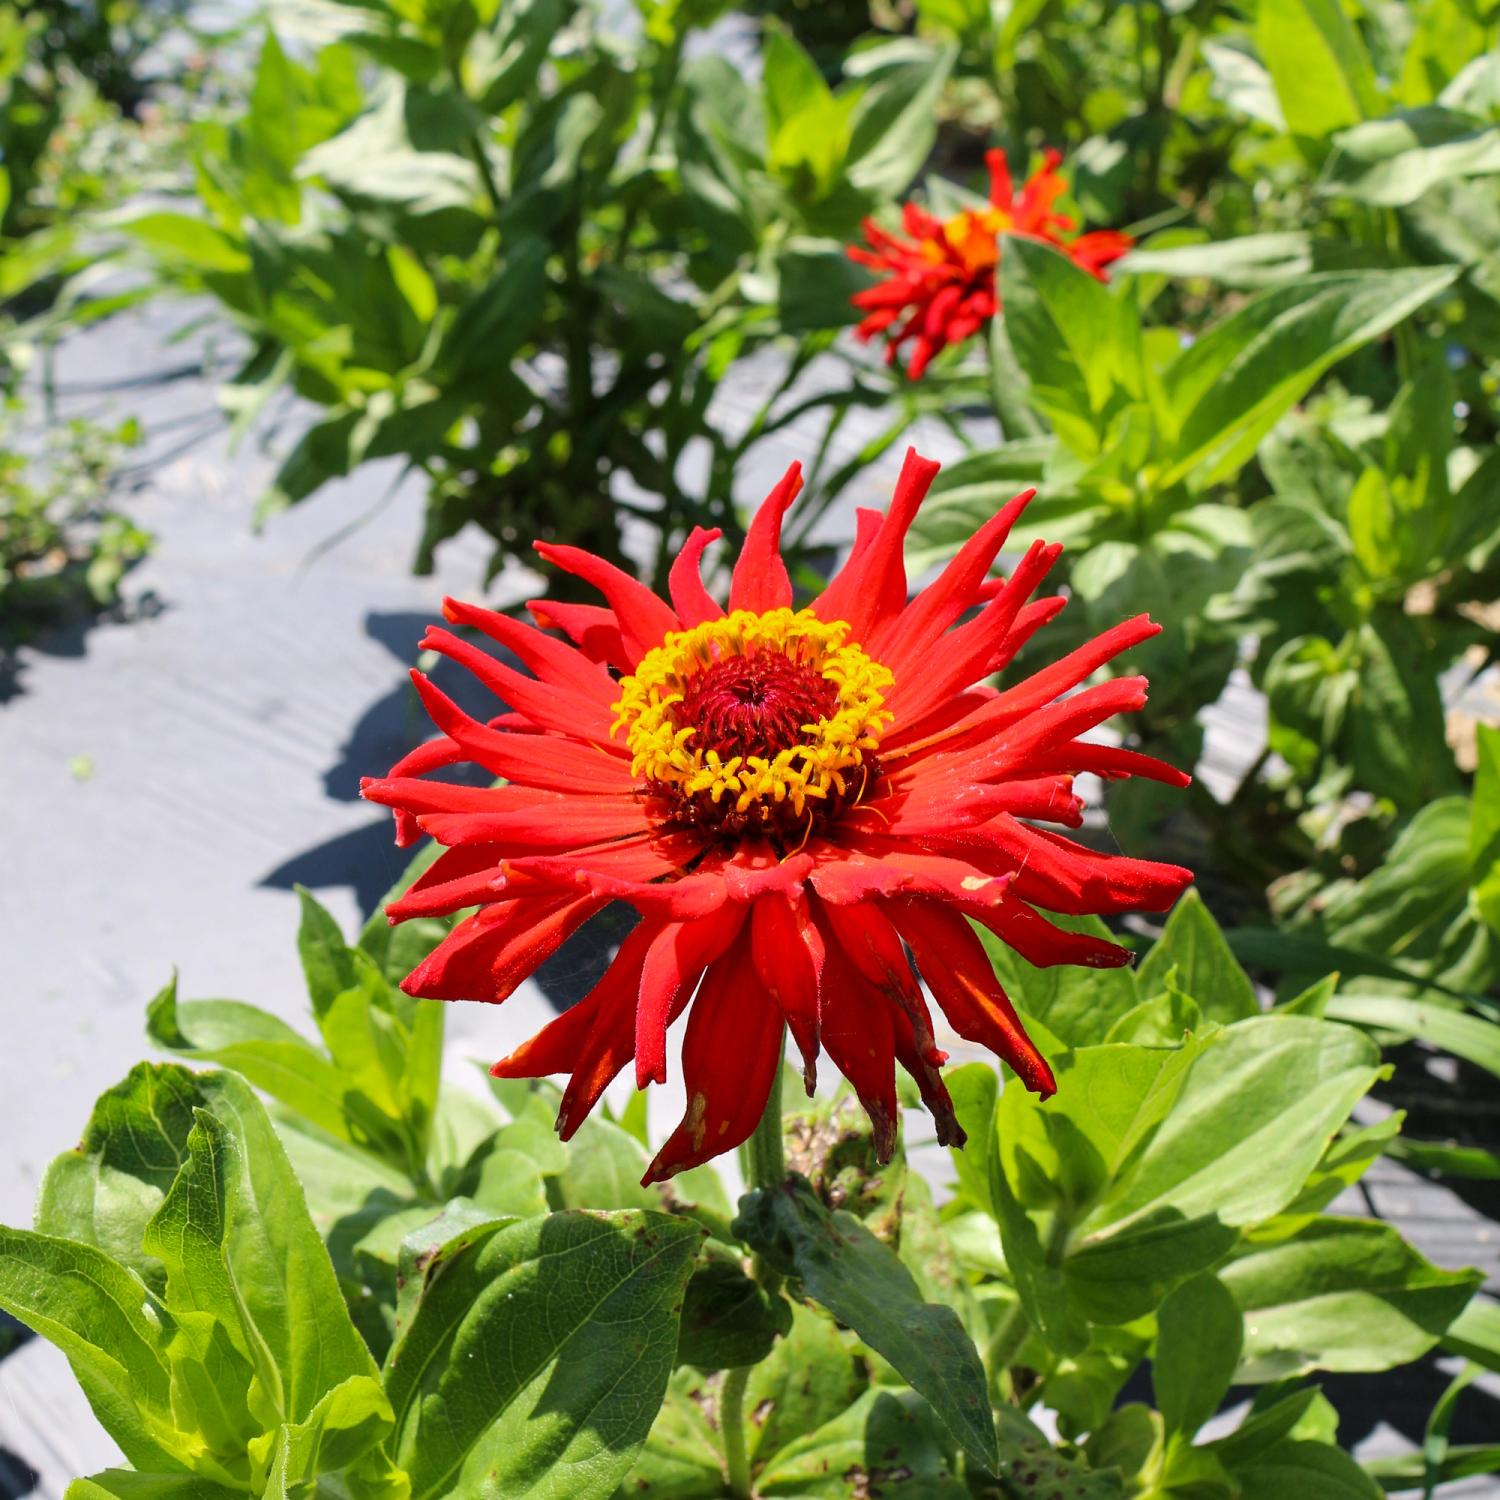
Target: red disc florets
(755, 705)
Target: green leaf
(604, 1169)
(189, 241)
(127, 1484)
(490, 328)
(884, 1439)
(863, 1283)
(1251, 260)
(1198, 1334)
(1345, 1162)
(728, 1318)
(1339, 1294)
(328, 963)
(975, 1091)
(1308, 1470)
(407, 150)
(106, 1189)
(1263, 1428)
(681, 1459)
(280, 1266)
(113, 1332)
(1475, 1333)
(1484, 830)
(895, 123)
(1412, 914)
(189, 1166)
(1162, 1022)
(1110, 1103)
(273, 1057)
(341, 1432)
(1323, 75)
(502, 61)
(1036, 1271)
(1468, 1036)
(536, 1352)
(1193, 944)
(1254, 1115)
(810, 1376)
(1231, 387)
(225, 1388)
(1076, 341)
(1394, 161)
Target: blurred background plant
(64, 544)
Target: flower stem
(766, 1167)
(1006, 1343)
(732, 1429)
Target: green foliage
(841, 1265)
(218, 1347)
(403, 1293)
(522, 254)
(64, 547)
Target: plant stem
(767, 1159)
(474, 144)
(732, 1430)
(765, 1168)
(1006, 1343)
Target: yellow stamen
(662, 746)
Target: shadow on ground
(65, 638)
(366, 859)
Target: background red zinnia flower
(940, 283)
(792, 801)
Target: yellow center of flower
(755, 721)
(974, 236)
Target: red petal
(531, 760)
(1043, 944)
(547, 657)
(872, 584)
(873, 947)
(593, 1040)
(596, 630)
(548, 706)
(962, 980)
(859, 1038)
(487, 956)
(1063, 876)
(930, 1083)
(966, 651)
(918, 627)
(760, 578)
(446, 885)
(539, 830)
(1067, 672)
(1002, 190)
(1110, 761)
(730, 1054)
(605, 868)
(787, 950)
(678, 955)
(693, 603)
(645, 620)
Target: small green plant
(64, 546)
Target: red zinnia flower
(791, 800)
(941, 282)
